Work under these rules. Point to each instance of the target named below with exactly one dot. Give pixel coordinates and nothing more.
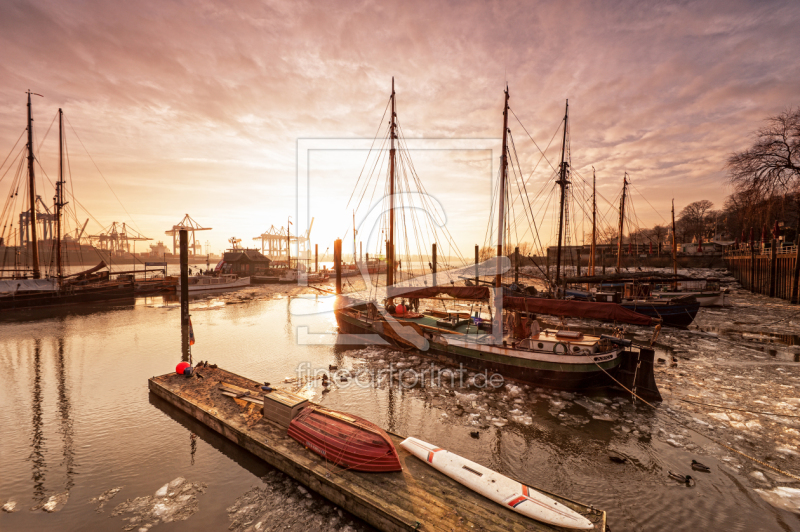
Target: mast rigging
(562, 182)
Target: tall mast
(355, 257)
(594, 222)
(674, 251)
(37, 274)
(60, 193)
(621, 221)
(562, 182)
(390, 245)
(498, 281)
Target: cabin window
(540, 345)
(576, 349)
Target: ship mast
(675, 251)
(390, 243)
(562, 182)
(37, 274)
(60, 194)
(621, 221)
(501, 206)
(594, 223)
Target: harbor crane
(195, 247)
(273, 242)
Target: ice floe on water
(782, 497)
(283, 504)
(104, 497)
(174, 501)
(53, 503)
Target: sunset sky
(198, 107)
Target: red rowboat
(345, 440)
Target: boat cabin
(245, 262)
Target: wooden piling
(516, 265)
(773, 268)
(337, 263)
(433, 264)
(477, 257)
(316, 258)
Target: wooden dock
(418, 498)
(771, 271)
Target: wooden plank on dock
(418, 498)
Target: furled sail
(457, 292)
(577, 309)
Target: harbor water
(85, 447)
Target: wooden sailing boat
(514, 347)
(18, 292)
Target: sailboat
(511, 342)
(17, 291)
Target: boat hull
(238, 283)
(496, 487)
(679, 314)
(74, 296)
(549, 371)
(345, 440)
(706, 299)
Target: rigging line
(370, 150)
(645, 199)
(534, 142)
(10, 152)
(39, 147)
(535, 229)
(101, 175)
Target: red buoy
(180, 367)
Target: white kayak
(497, 487)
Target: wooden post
(752, 269)
(603, 258)
(477, 253)
(578, 252)
(516, 265)
(337, 263)
(360, 251)
(773, 267)
(433, 264)
(316, 258)
(796, 277)
(184, 241)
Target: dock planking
(418, 498)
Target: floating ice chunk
(786, 450)
(722, 416)
(782, 497)
(162, 491)
(10, 506)
(673, 443)
(56, 502)
(758, 475)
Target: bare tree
(771, 166)
(694, 217)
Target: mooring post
(753, 269)
(773, 267)
(433, 263)
(578, 251)
(477, 255)
(337, 263)
(603, 259)
(796, 278)
(184, 243)
(316, 258)
(516, 265)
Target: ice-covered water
(77, 419)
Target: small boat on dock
(345, 440)
(200, 283)
(496, 487)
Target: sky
(243, 114)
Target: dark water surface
(76, 417)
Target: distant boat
(27, 289)
(345, 440)
(496, 487)
(200, 283)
